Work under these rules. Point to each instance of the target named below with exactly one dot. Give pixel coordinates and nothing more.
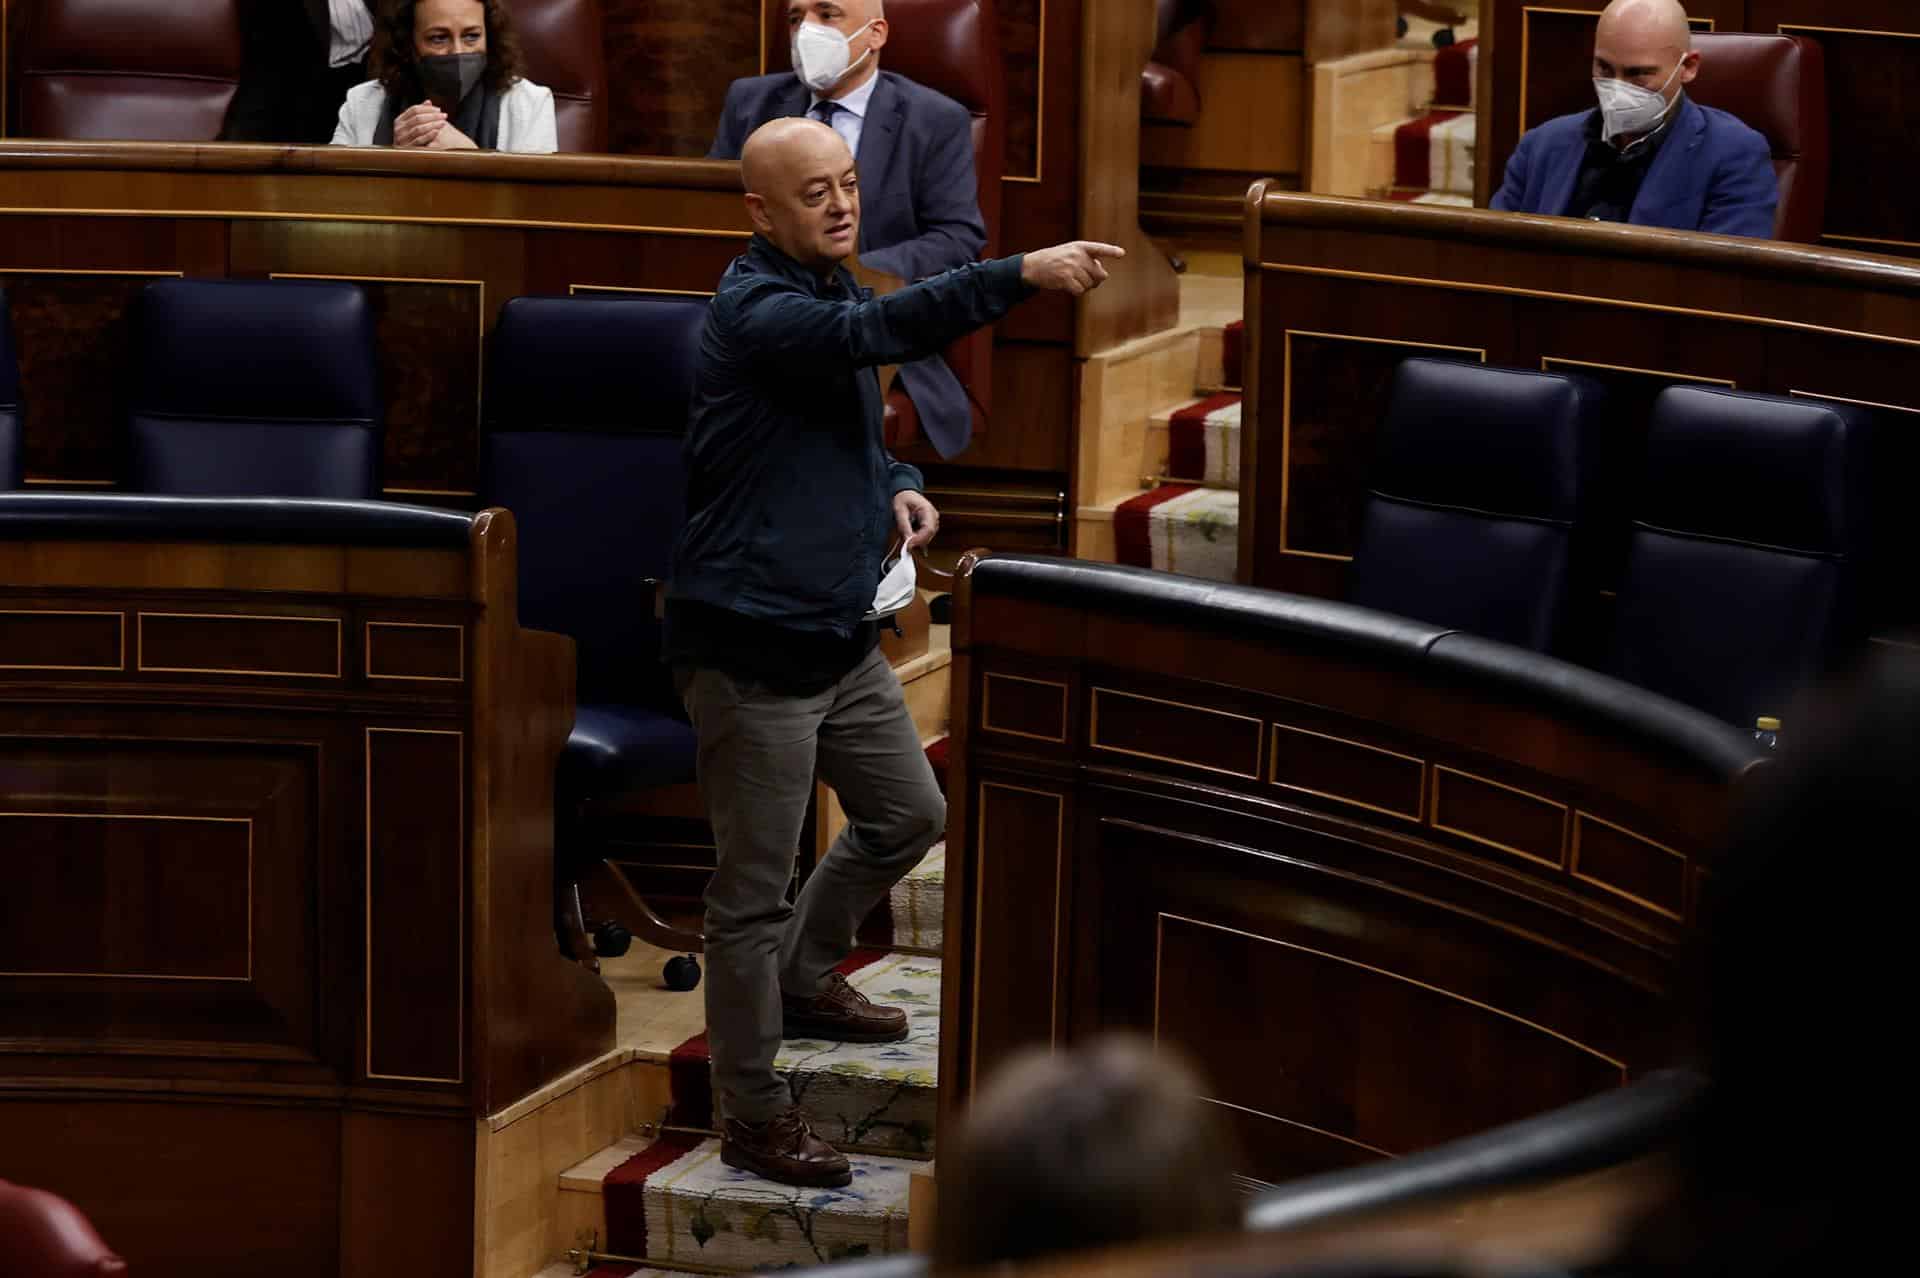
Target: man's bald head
(1657, 22)
(803, 192)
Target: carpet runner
(1180, 528)
(1433, 152)
(878, 1096)
(1203, 441)
(1233, 353)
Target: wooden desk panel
(1339, 291)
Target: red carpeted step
(1132, 524)
(1413, 150)
(1206, 426)
(1233, 353)
(1184, 528)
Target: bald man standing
(792, 503)
(1648, 154)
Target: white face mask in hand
(896, 590)
(820, 56)
(1629, 109)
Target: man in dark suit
(914, 149)
(301, 58)
(1649, 154)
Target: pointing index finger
(1098, 250)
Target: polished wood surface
(280, 926)
(1339, 291)
(1534, 65)
(1366, 901)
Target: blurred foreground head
(1102, 1145)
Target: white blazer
(526, 117)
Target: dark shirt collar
(769, 257)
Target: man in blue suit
(914, 150)
(1649, 154)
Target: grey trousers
(758, 755)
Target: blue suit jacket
(1714, 174)
(919, 204)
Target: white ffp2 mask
(820, 55)
(1629, 109)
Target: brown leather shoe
(842, 1014)
(784, 1149)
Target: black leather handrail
(1601, 1131)
(274, 520)
(1685, 735)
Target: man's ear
(877, 35)
(1690, 66)
(757, 213)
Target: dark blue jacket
(1714, 174)
(789, 487)
(919, 204)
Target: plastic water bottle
(1766, 731)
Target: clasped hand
(426, 125)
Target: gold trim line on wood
(1286, 411)
(156, 816)
(1857, 403)
(432, 492)
(398, 219)
(367, 647)
(1273, 768)
(986, 705)
(140, 645)
(1574, 1043)
(32, 481)
(120, 668)
(574, 290)
(1548, 363)
(1093, 733)
(1786, 28)
(1305, 1127)
(1534, 857)
(459, 908)
(1604, 886)
(157, 274)
(1868, 239)
(980, 902)
(1509, 290)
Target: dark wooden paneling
(415, 650)
(73, 335)
(219, 643)
(428, 338)
(1175, 732)
(410, 1210)
(1020, 856)
(1349, 772)
(1264, 26)
(163, 893)
(415, 831)
(191, 1189)
(62, 639)
(1499, 816)
(1020, 706)
(1020, 27)
(128, 896)
(1336, 390)
(1630, 865)
(670, 63)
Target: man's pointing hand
(1074, 268)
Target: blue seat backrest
(1479, 478)
(255, 387)
(587, 403)
(1746, 551)
(12, 415)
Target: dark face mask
(449, 77)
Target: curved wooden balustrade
(276, 806)
(1388, 884)
(1339, 291)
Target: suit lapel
(878, 134)
(1558, 185)
(1674, 172)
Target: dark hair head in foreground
(1102, 1145)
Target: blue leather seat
(1479, 477)
(586, 408)
(12, 416)
(255, 387)
(1749, 534)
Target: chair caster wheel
(611, 940)
(682, 973)
(1443, 38)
